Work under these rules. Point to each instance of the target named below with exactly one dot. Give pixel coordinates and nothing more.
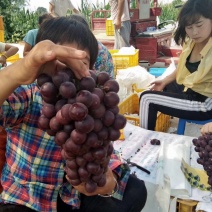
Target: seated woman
(6, 51)
(192, 98)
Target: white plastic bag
(133, 75)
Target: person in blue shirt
(30, 37)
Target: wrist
(4, 56)
(113, 191)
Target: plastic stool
(182, 124)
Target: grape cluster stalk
(203, 145)
(83, 116)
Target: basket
(2, 36)
(157, 71)
(130, 106)
(109, 27)
(122, 61)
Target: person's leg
(124, 35)
(177, 105)
(14, 208)
(134, 199)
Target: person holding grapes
(33, 177)
(187, 92)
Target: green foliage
(17, 20)
(169, 12)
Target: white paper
(161, 160)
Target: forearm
(120, 8)
(51, 9)
(11, 51)
(170, 78)
(8, 82)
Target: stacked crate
(1, 29)
(109, 27)
(130, 108)
(123, 61)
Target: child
(33, 177)
(192, 98)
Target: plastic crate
(109, 27)
(157, 71)
(13, 58)
(122, 61)
(155, 11)
(2, 36)
(1, 23)
(130, 106)
(136, 89)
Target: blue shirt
(30, 37)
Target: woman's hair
(190, 13)
(64, 30)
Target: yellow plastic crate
(130, 106)
(2, 36)
(123, 61)
(13, 58)
(136, 89)
(109, 27)
(1, 23)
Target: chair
(182, 124)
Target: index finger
(46, 51)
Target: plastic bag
(135, 75)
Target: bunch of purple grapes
(203, 145)
(83, 115)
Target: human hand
(206, 128)
(106, 189)
(47, 57)
(157, 85)
(118, 24)
(3, 61)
